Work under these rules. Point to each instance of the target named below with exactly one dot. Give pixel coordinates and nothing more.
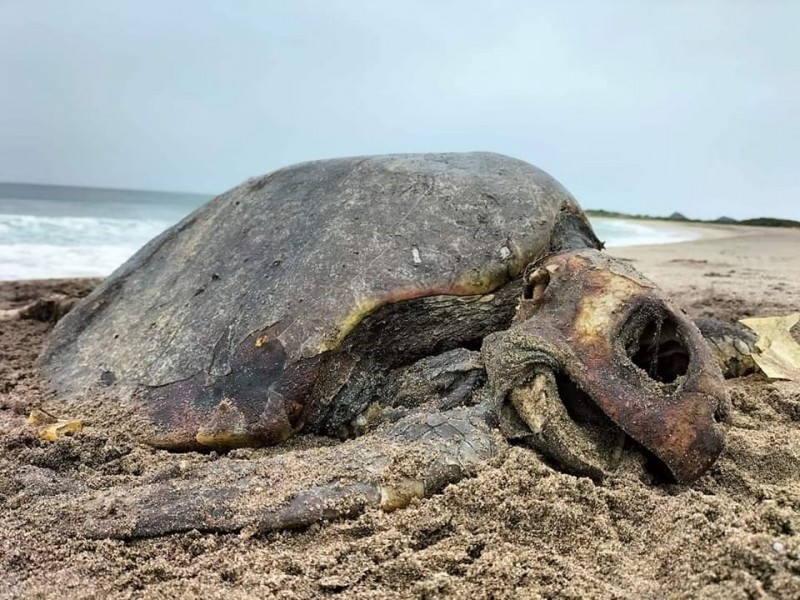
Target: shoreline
(691, 231)
(695, 231)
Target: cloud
(635, 106)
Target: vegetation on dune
(760, 221)
(770, 222)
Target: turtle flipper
(732, 345)
(413, 458)
(47, 309)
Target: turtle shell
(249, 315)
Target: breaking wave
(34, 247)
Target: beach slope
(517, 529)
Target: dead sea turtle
(426, 297)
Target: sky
(642, 107)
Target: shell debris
(779, 356)
(50, 428)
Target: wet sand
(518, 528)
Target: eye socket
(657, 349)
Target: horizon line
(110, 189)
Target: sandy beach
(518, 528)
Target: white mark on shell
(415, 254)
(505, 252)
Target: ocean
(60, 231)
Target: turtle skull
(597, 354)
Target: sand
(518, 528)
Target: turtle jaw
(602, 355)
(563, 423)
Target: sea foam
(623, 232)
(33, 247)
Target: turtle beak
(597, 351)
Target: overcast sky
(644, 107)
